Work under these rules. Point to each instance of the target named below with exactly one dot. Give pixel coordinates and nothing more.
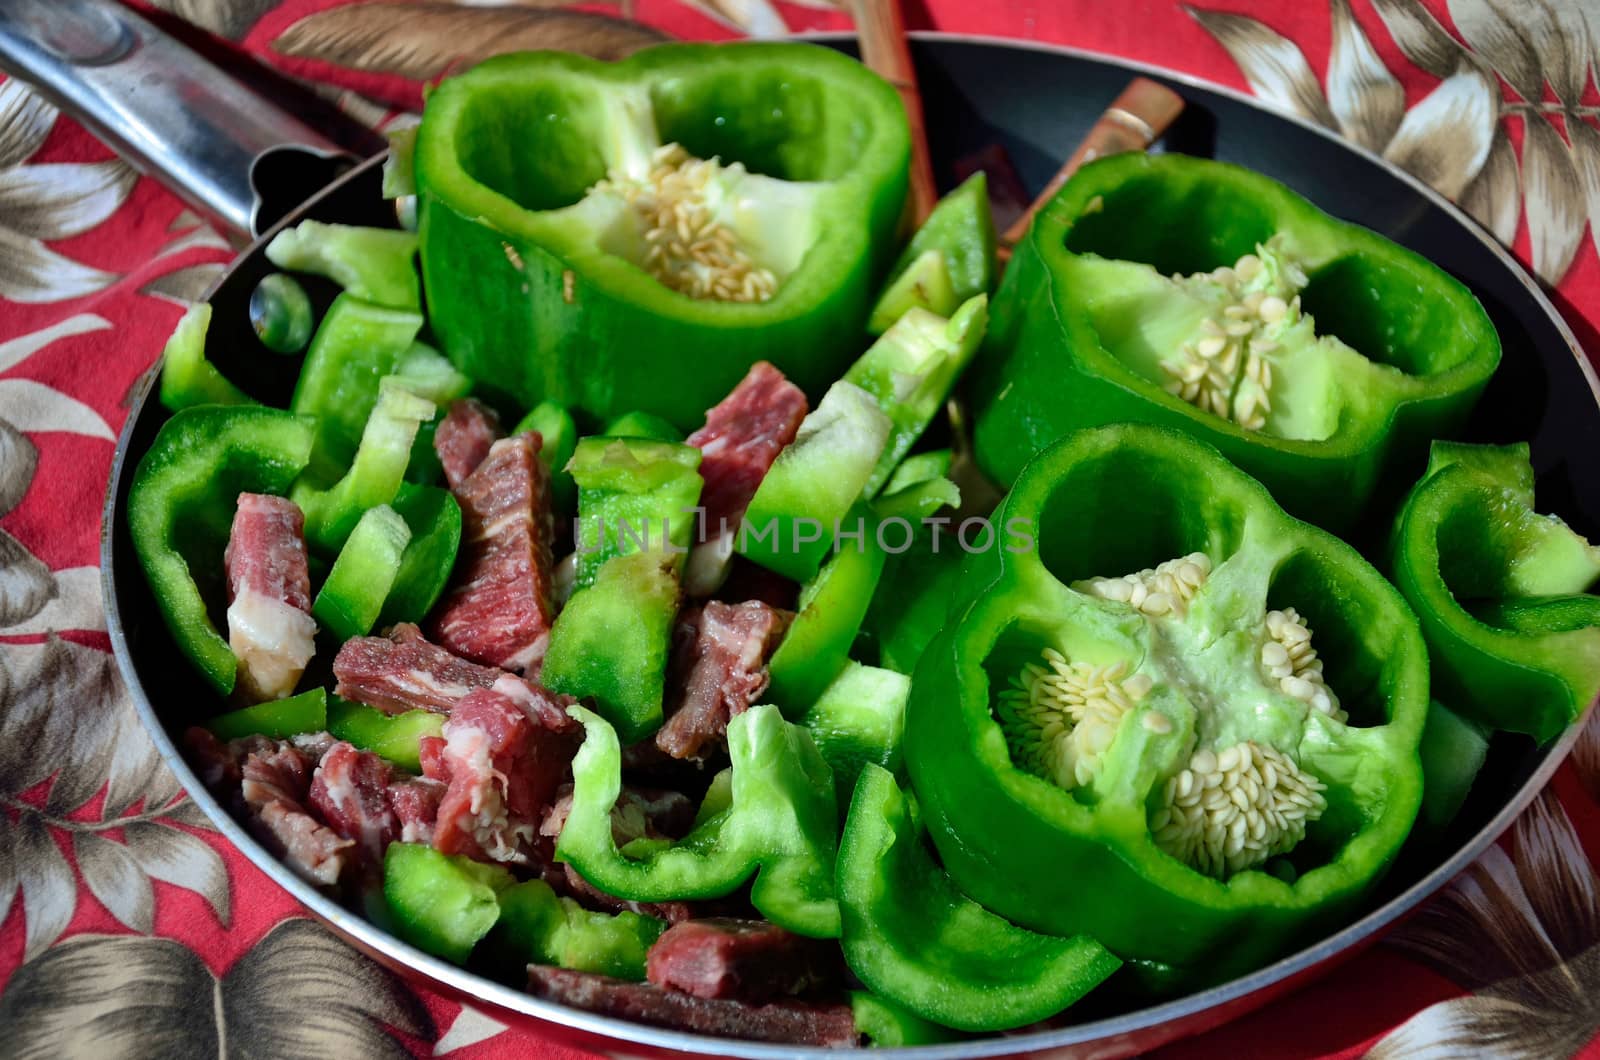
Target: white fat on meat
(273, 642)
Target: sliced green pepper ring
(531, 273)
(1096, 323)
(1092, 857)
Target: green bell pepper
(441, 904)
(1513, 633)
(915, 939)
(434, 519)
(356, 345)
(281, 313)
(612, 640)
(376, 473)
(780, 821)
(542, 186)
(1123, 756)
(1453, 751)
(910, 371)
(362, 575)
(374, 264)
(642, 425)
(187, 377)
(858, 720)
(1096, 323)
(277, 718)
(634, 495)
(817, 645)
(949, 260)
(815, 483)
(905, 621)
(396, 737)
(560, 436)
(181, 506)
(919, 468)
(885, 1025)
(538, 927)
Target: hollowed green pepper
(181, 506)
(542, 187)
(780, 822)
(915, 939)
(1313, 353)
(1168, 760)
(1502, 592)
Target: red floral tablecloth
(128, 927)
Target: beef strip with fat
(270, 628)
(750, 960)
(463, 438)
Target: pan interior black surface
(1036, 103)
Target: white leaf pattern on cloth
(178, 858)
(1366, 98)
(34, 407)
(1445, 138)
(115, 878)
(18, 459)
(1586, 159)
(1554, 200)
(1495, 195)
(470, 1028)
(1274, 66)
(49, 889)
(1419, 36)
(26, 584)
(15, 351)
(76, 604)
(1496, 29)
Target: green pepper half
(560, 236)
(1313, 353)
(1163, 760)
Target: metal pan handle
(168, 111)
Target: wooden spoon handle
(882, 30)
(1136, 119)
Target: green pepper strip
(439, 903)
(1079, 320)
(365, 571)
(610, 643)
(887, 1025)
(1453, 751)
(181, 506)
(356, 345)
(1024, 847)
(375, 474)
(187, 377)
(528, 289)
(538, 927)
(434, 519)
(1514, 640)
(817, 645)
(858, 720)
(375, 264)
(950, 259)
(781, 821)
(395, 737)
(559, 434)
(277, 718)
(914, 938)
(642, 425)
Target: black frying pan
(1037, 102)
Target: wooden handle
(1134, 121)
(882, 30)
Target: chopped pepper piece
(612, 640)
(1453, 750)
(950, 259)
(883, 1024)
(181, 506)
(1513, 634)
(915, 939)
(374, 264)
(560, 436)
(789, 160)
(1095, 323)
(362, 575)
(642, 425)
(187, 378)
(538, 927)
(634, 494)
(434, 519)
(396, 737)
(276, 718)
(817, 646)
(780, 821)
(441, 904)
(858, 720)
(1172, 733)
(280, 311)
(376, 473)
